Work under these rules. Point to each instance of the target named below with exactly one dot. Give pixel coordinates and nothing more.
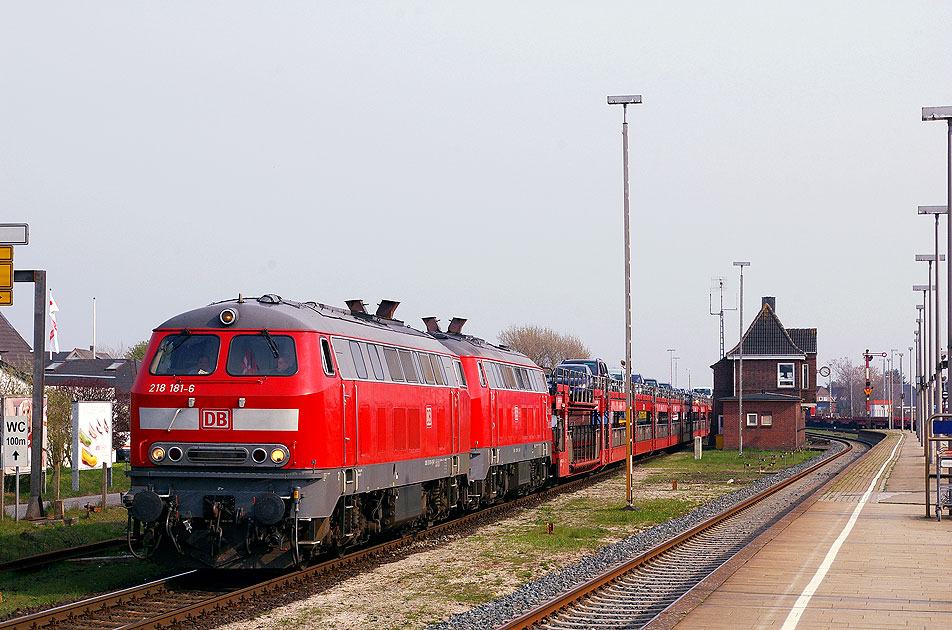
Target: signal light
(157, 454)
(228, 316)
(277, 456)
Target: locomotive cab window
(261, 355)
(326, 358)
(460, 376)
(186, 353)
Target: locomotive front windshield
(262, 354)
(186, 353)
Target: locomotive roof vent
(456, 325)
(432, 324)
(387, 308)
(270, 298)
(357, 307)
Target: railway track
(633, 593)
(44, 559)
(187, 596)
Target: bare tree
(546, 347)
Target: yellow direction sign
(6, 275)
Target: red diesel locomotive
(265, 431)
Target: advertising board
(92, 435)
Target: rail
(148, 616)
(43, 559)
(536, 615)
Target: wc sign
(216, 418)
(15, 441)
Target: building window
(785, 376)
(805, 380)
(751, 419)
(766, 420)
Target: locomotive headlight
(277, 456)
(157, 454)
(228, 316)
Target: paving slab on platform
(892, 570)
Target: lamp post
(675, 383)
(944, 113)
(913, 399)
(932, 312)
(902, 398)
(921, 396)
(625, 101)
(935, 369)
(740, 366)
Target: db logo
(216, 418)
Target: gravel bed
(499, 611)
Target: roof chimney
(772, 301)
(456, 325)
(387, 308)
(357, 306)
(432, 324)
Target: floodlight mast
(740, 367)
(625, 101)
(632, 99)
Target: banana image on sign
(89, 459)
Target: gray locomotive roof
(273, 313)
(471, 346)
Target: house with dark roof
(15, 352)
(115, 373)
(779, 383)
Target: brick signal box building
(779, 384)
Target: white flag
(54, 335)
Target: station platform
(860, 553)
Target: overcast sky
(461, 158)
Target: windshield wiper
(177, 340)
(274, 346)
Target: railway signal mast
(869, 387)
